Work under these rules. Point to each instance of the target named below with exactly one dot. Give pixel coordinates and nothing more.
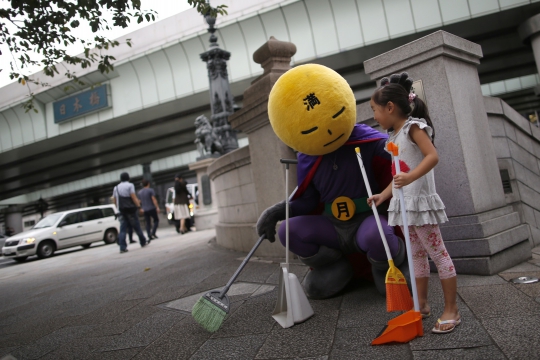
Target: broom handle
(240, 268)
(407, 238)
(373, 207)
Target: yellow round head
(312, 109)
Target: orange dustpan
(408, 326)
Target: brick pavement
(99, 304)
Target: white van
(62, 230)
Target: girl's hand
(402, 179)
(378, 198)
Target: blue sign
(81, 104)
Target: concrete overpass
(160, 85)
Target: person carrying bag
(125, 199)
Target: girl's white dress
(423, 204)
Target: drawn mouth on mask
(333, 141)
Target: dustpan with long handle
(408, 326)
(398, 297)
(395, 152)
(292, 304)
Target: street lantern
(221, 99)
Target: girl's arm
(382, 197)
(431, 158)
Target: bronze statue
(207, 141)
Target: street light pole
(221, 99)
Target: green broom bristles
(208, 315)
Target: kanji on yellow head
(312, 109)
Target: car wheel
(45, 249)
(20, 259)
(110, 236)
(86, 246)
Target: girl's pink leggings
(427, 239)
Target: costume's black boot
(330, 273)
(380, 268)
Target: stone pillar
(265, 147)
(14, 218)
(147, 173)
(484, 236)
(206, 215)
(529, 32)
(250, 179)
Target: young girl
(406, 118)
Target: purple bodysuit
(338, 174)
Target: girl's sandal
(424, 315)
(436, 330)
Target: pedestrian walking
(150, 208)
(130, 234)
(127, 203)
(407, 120)
(181, 201)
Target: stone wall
(517, 148)
(237, 204)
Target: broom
(212, 308)
(398, 297)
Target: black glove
(268, 220)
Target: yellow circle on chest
(343, 208)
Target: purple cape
(307, 164)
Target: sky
(164, 8)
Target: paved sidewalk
(99, 304)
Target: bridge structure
(140, 117)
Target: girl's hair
(397, 89)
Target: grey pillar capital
(274, 56)
(467, 176)
(529, 28)
(529, 32)
(439, 43)
(147, 173)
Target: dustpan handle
(407, 237)
(241, 267)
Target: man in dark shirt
(127, 203)
(150, 208)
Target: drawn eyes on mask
(309, 131)
(305, 132)
(339, 113)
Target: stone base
(486, 243)
(206, 219)
(490, 265)
(242, 237)
(480, 225)
(208, 156)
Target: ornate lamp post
(221, 100)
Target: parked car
(62, 230)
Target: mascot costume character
(312, 109)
